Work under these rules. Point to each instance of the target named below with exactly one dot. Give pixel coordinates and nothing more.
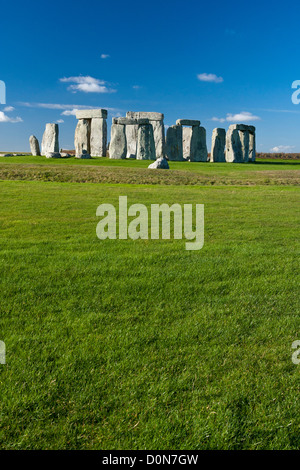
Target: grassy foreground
(142, 344)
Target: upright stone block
(252, 149)
(234, 151)
(50, 139)
(98, 138)
(198, 145)
(118, 145)
(159, 138)
(174, 143)
(145, 143)
(82, 138)
(34, 146)
(131, 137)
(186, 142)
(217, 153)
(244, 138)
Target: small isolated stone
(34, 146)
(53, 155)
(161, 164)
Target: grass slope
(142, 344)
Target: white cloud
(241, 117)
(5, 118)
(69, 112)
(209, 77)
(282, 148)
(87, 84)
(136, 87)
(105, 56)
(9, 109)
(60, 121)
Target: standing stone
(145, 142)
(244, 138)
(198, 145)
(174, 143)
(34, 146)
(82, 138)
(98, 138)
(50, 139)
(186, 142)
(159, 138)
(117, 146)
(252, 150)
(131, 137)
(217, 153)
(234, 151)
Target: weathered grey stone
(127, 121)
(174, 147)
(145, 143)
(252, 149)
(217, 153)
(82, 138)
(159, 138)
(186, 142)
(187, 122)
(198, 145)
(243, 127)
(53, 155)
(84, 155)
(131, 138)
(234, 151)
(34, 145)
(244, 138)
(91, 113)
(145, 115)
(117, 146)
(50, 139)
(160, 163)
(98, 138)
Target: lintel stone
(91, 113)
(187, 122)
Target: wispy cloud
(136, 87)
(8, 109)
(105, 56)
(209, 77)
(241, 117)
(282, 148)
(5, 118)
(87, 84)
(60, 121)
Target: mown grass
(104, 170)
(141, 344)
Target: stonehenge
(141, 136)
(50, 139)
(91, 133)
(34, 146)
(217, 153)
(240, 143)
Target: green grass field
(123, 344)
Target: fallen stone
(160, 163)
(34, 146)
(84, 155)
(52, 155)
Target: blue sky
(220, 62)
